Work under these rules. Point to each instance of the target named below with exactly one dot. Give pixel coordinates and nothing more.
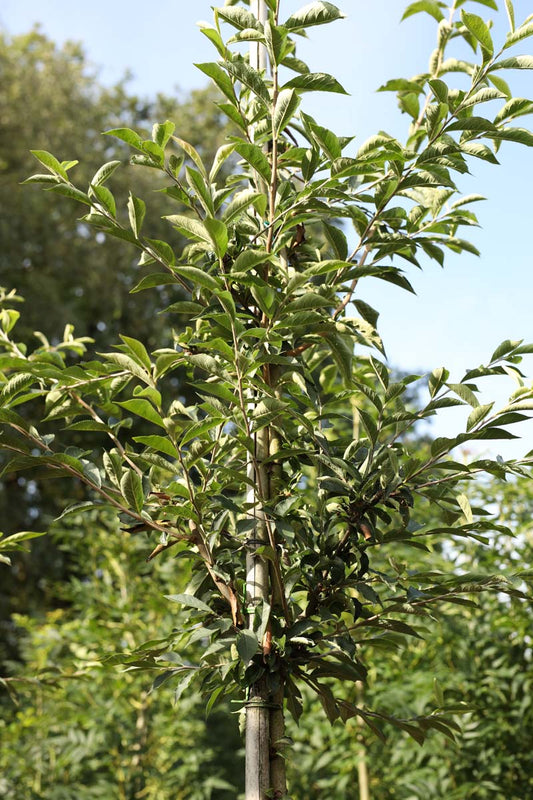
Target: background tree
(50, 96)
(279, 504)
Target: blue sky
(461, 313)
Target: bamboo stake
(258, 711)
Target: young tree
(293, 466)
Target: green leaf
(220, 77)
(255, 156)
(190, 228)
(465, 393)
(218, 234)
(464, 505)
(161, 132)
(13, 542)
(198, 277)
(439, 89)
(247, 645)
(523, 32)
(221, 156)
(437, 691)
(317, 13)
(126, 135)
(431, 7)
(105, 171)
(239, 17)
(136, 211)
(154, 279)
(79, 508)
(286, 105)
(138, 350)
(143, 408)
(250, 78)
(50, 162)
(189, 601)
(514, 62)
(162, 250)
(132, 490)
(197, 429)
(201, 188)
(70, 191)
(105, 199)
(240, 202)
(504, 349)
(515, 107)
(510, 13)
(315, 82)
(192, 153)
(437, 378)
(479, 31)
(477, 415)
(519, 135)
(160, 443)
(129, 364)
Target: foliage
(78, 726)
(289, 482)
(478, 655)
(61, 266)
(51, 97)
